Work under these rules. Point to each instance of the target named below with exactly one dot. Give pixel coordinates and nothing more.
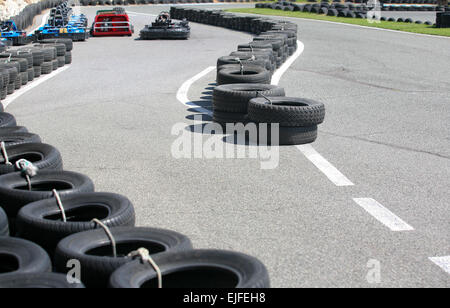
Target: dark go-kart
(164, 28)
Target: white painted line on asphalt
(279, 72)
(383, 215)
(331, 172)
(10, 98)
(442, 262)
(182, 94)
(318, 160)
(43, 22)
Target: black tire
(286, 136)
(93, 250)
(223, 118)
(22, 256)
(14, 192)
(47, 67)
(7, 120)
(235, 97)
(37, 71)
(68, 57)
(4, 228)
(43, 156)
(250, 75)
(24, 77)
(67, 42)
(195, 269)
(287, 111)
(55, 65)
(37, 281)
(61, 61)
(41, 221)
(13, 129)
(245, 60)
(30, 73)
(11, 139)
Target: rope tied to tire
(27, 169)
(144, 254)
(4, 153)
(60, 205)
(265, 97)
(241, 65)
(109, 234)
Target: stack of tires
(20, 65)
(141, 2)
(243, 93)
(44, 234)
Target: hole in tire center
(45, 186)
(84, 213)
(8, 263)
(245, 73)
(198, 277)
(289, 104)
(124, 248)
(31, 157)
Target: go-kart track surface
(386, 131)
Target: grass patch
(399, 26)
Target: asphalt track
(112, 111)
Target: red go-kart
(112, 23)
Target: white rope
(109, 234)
(4, 153)
(268, 99)
(60, 205)
(144, 254)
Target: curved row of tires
(45, 235)
(340, 10)
(21, 65)
(25, 18)
(244, 94)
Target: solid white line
(383, 215)
(331, 172)
(182, 94)
(442, 262)
(10, 98)
(279, 72)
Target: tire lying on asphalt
(30, 73)
(283, 135)
(11, 139)
(194, 269)
(37, 71)
(55, 65)
(223, 118)
(248, 75)
(245, 60)
(37, 281)
(61, 61)
(4, 228)
(235, 97)
(43, 156)
(287, 111)
(22, 256)
(93, 250)
(7, 120)
(14, 193)
(42, 223)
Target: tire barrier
(42, 222)
(243, 78)
(97, 262)
(143, 2)
(56, 209)
(355, 10)
(25, 18)
(43, 156)
(195, 269)
(19, 256)
(37, 280)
